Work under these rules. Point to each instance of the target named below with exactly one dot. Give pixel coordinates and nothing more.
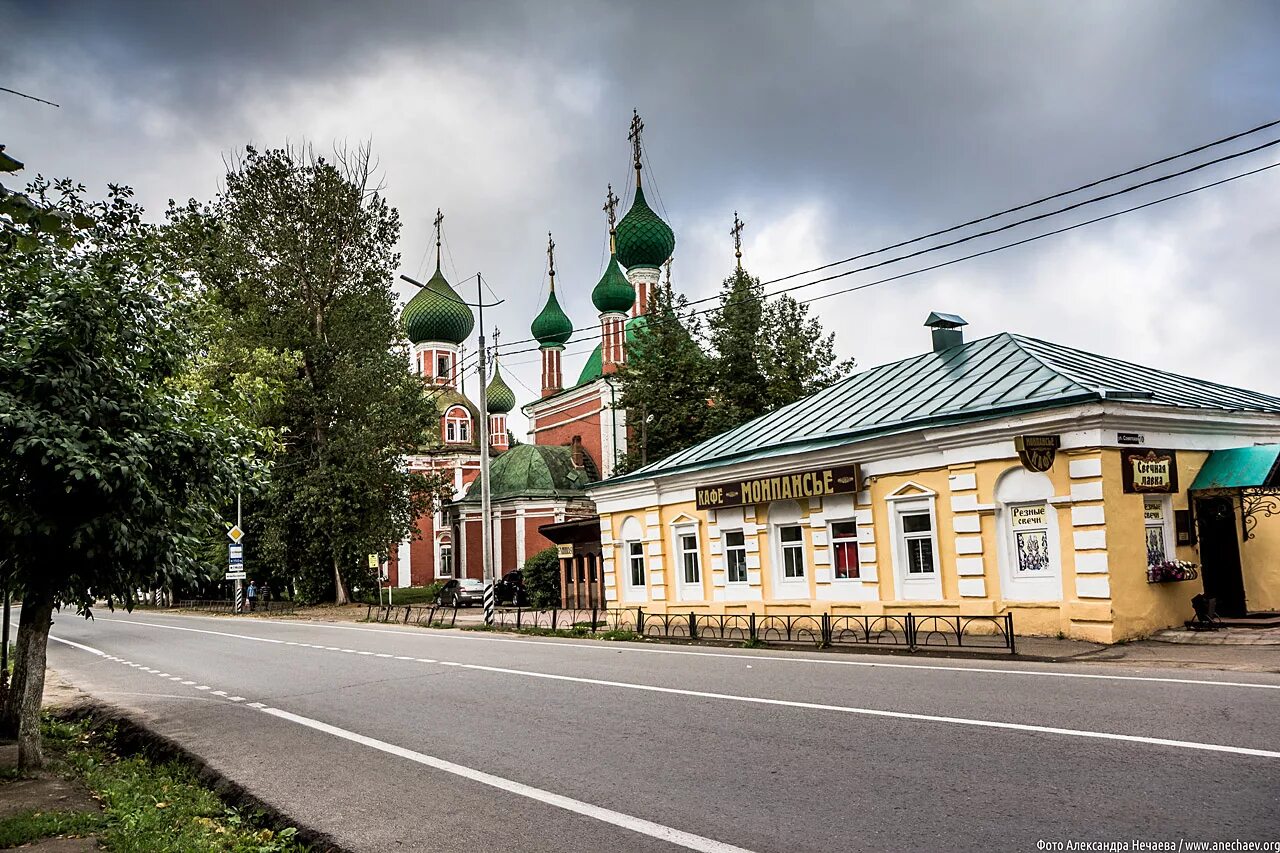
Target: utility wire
(994, 249)
(988, 232)
(29, 97)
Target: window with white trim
(445, 567)
(791, 538)
(443, 366)
(635, 563)
(1153, 517)
(690, 563)
(1030, 525)
(844, 550)
(457, 426)
(735, 556)
(917, 540)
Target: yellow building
(1002, 475)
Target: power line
(971, 256)
(29, 97)
(1007, 226)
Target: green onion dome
(552, 326)
(437, 313)
(499, 398)
(644, 240)
(613, 293)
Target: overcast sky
(832, 128)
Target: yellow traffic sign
(235, 534)
(373, 561)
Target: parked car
(461, 592)
(510, 589)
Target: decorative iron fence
(821, 630)
(226, 606)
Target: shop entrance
(1220, 554)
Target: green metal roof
(1240, 467)
(532, 470)
(978, 380)
(594, 368)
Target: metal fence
(227, 606)
(907, 631)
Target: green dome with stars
(644, 240)
(437, 313)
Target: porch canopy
(1250, 473)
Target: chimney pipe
(946, 330)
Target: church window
(457, 426)
(445, 569)
(442, 366)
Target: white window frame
(787, 513)
(444, 558)
(1166, 522)
(914, 587)
(457, 428)
(833, 541)
(785, 546)
(687, 591)
(728, 563)
(445, 360)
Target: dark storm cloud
(834, 127)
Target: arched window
(457, 426)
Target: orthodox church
(576, 434)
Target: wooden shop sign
(839, 479)
(1037, 452)
(1149, 471)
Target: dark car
(510, 590)
(461, 592)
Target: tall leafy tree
(295, 258)
(797, 356)
(111, 470)
(736, 343)
(666, 382)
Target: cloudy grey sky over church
(832, 128)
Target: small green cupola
(613, 294)
(499, 398)
(437, 312)
(643, 239)
(551, 327)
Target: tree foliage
(111, 468)
(666, 383)
(294, 259)
(736, 350)
(797, 356)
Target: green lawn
(403, 596)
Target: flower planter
(1171, 571)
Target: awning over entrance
(1240, 468)
(1251, 474)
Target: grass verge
(151, 804)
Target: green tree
(797, 356)
(295, 258)
(111, 470)
(541, 574)
(666, 383)
(735, 336)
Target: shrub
(542, 578)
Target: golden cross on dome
(666, 265)
(736, 231)
(551, 260)
(637, 126)
(496, 333)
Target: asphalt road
(393, 738)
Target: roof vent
(946, 330)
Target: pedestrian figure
(252, 594)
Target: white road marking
(187, 683)
(90, 649)
(669, 834)
(848, 709)
(635, 648)
(235, 698)
(219, 693)
(204, 687)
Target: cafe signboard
(1037, 452)
(1149, 471)
(816, 483)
